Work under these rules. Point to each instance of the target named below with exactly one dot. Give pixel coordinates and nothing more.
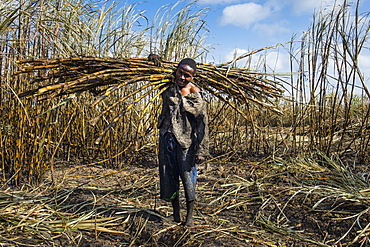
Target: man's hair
(190, 62)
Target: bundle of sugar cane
(78, 74)
(67, 76)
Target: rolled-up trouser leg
(188, 172)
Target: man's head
(185, 72)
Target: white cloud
(278, 61)
(277, 5)
(364, 59)
(272, 30)
(243, 15)
(218, 1)
(307, 6)
(364, 64)
(274, 60)
(235, 53)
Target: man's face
(184, 75)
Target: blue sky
(239, 26)
(248, 25)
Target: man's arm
(156, 59)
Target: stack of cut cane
(104, 76)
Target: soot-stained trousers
(183, 127)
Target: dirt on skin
(241, 202)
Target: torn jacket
(186, 118)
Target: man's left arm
(202, 135)
(196, 106)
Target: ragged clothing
(174, 163)
(183, 136)
(185, 117)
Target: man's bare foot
(176, 217)
(189, 222)
(189, 213)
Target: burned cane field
(79, 141)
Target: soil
(241, 202)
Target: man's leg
(189, 213)
(168, 173)
(176, 209)
(189, 178)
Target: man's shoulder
(194, 88)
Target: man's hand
(156, 59)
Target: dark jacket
(185, 117)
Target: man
(183, 138)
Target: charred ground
(241, 202)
